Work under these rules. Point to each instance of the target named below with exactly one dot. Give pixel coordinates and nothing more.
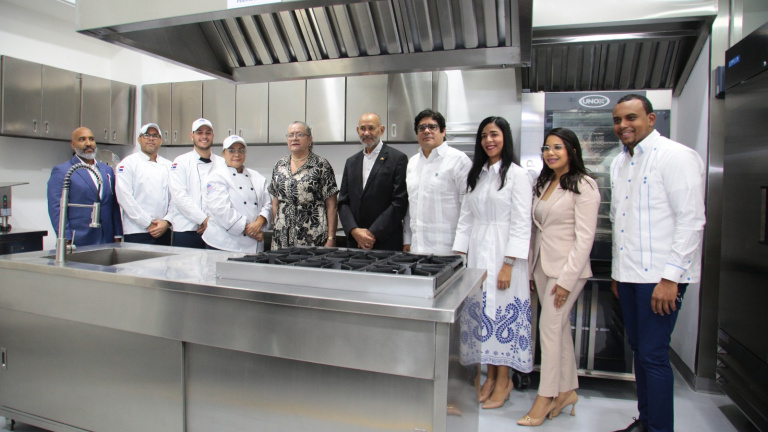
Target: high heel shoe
(572, 399)
(529, 421)
(492, 403)
(483, 396)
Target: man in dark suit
(373, 198)
(83, 190)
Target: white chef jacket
(497, 223)
(142, 191)
(436, 186)
(188, 175)
(657, 210)
(234, 200)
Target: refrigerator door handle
(763, 214)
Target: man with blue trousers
(83, 190)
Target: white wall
(690, 126)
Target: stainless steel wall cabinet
(186, 107)
(409, 94)
(325, 108)
(252, 112)
(96, 107)
(121, 116)
(108, 110)
(219, 108)
(156, 108)
(367, 93)
(39, 101)
(287, 103)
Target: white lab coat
(234, 200)
(188, 175)
(142, 189)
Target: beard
(371, 145)
(83, 155)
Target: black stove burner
(389, 262)
(386, 268)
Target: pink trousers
(558, 364)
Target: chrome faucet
(61, 242)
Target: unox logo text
(594, 101)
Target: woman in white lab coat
(239, 206)
(494, 231)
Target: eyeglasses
(556, 147)
(151, 136)
(236, 150)
(298, 135)
(432, 126)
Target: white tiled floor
(604, 405)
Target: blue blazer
(84, 191)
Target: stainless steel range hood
(302, 39)
(651, 55)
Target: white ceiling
(60, 9)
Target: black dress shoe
(635, 426)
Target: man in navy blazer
(83, 190)
(373, 198)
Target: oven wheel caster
(521, 380)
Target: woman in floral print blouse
(304, 194)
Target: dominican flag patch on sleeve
(120, 168)
(209, 188)
(173, 167)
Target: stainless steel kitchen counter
(167, 339)
(194, 271)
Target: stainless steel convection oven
(598, 330)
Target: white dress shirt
(234, 200)
(657, 210)
(188, 175)
(436, 186)
(369, 160)
(142, 191)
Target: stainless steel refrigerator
(742, 368)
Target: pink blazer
(563, 240)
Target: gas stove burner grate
(425, 270)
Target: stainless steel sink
(111, 256)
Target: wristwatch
(509, 261)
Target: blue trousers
(649, 336)
(146, 238)
(189, 239)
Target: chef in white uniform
(239, 206)
(142, 189)
(188, 174)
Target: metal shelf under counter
(21, 240)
